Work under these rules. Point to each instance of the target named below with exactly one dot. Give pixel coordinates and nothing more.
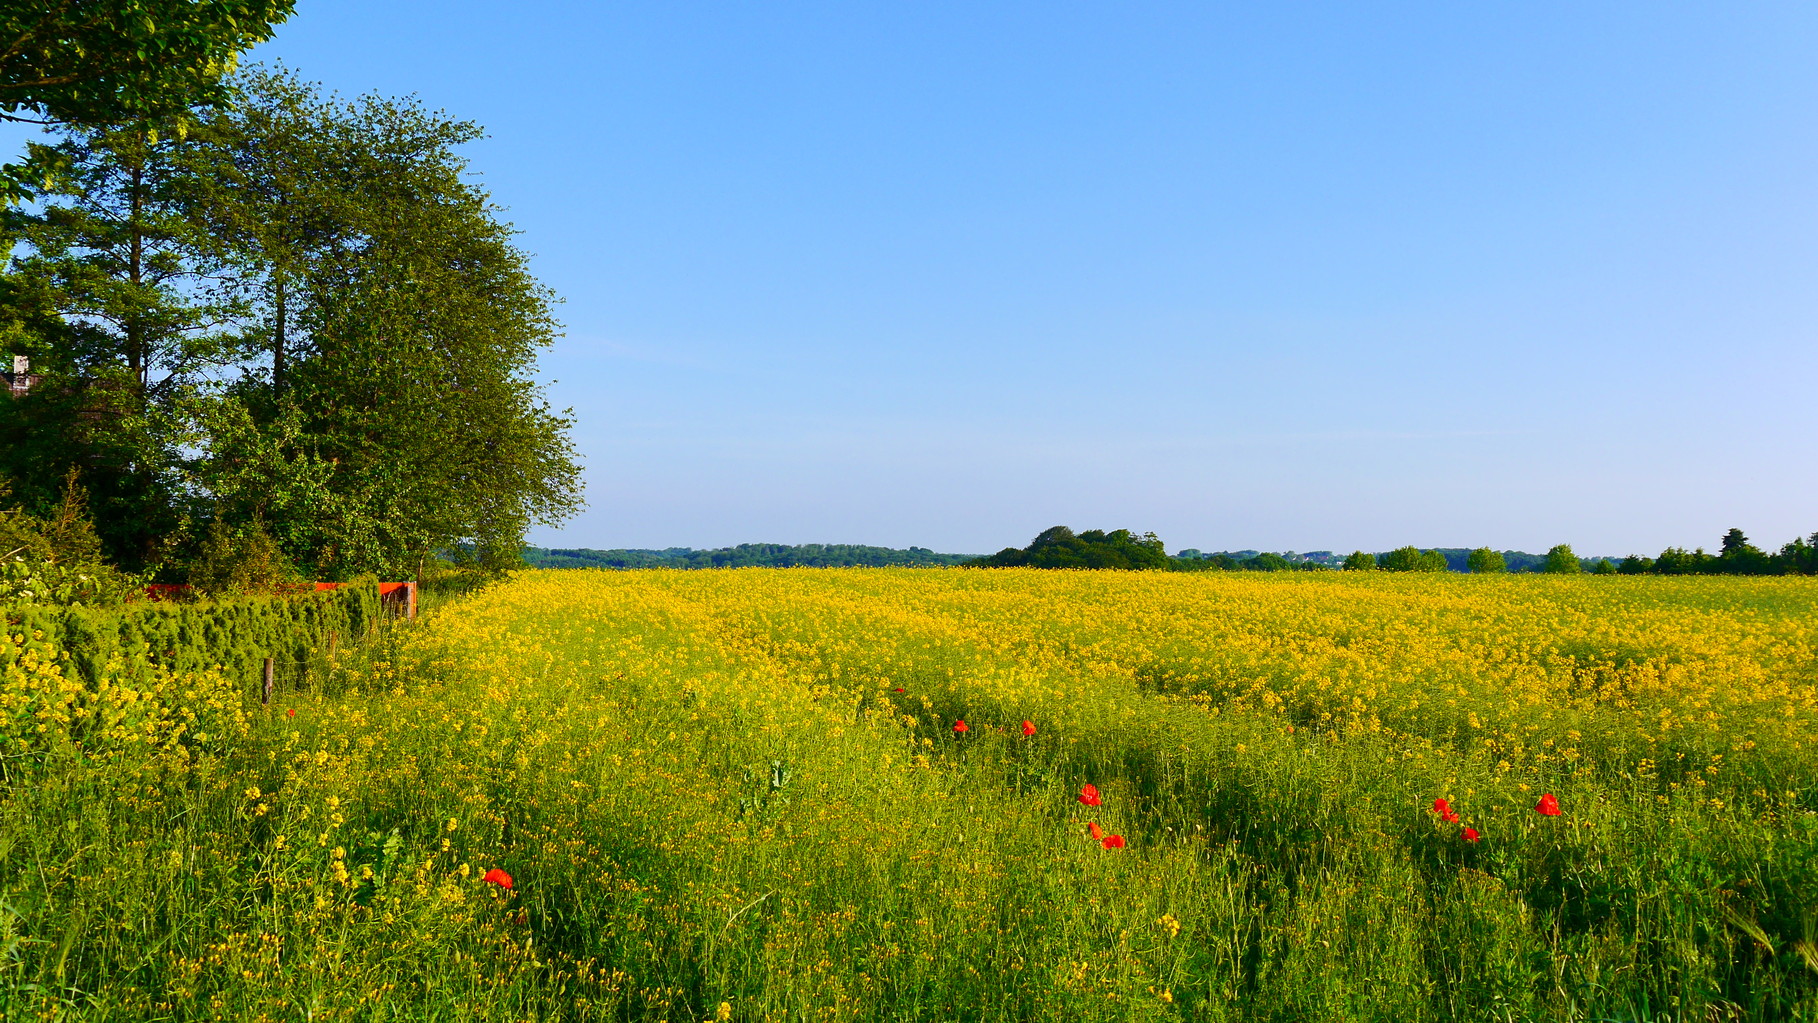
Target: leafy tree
(115, 61)
(1604, 566)
(1267, 562)
(1635, 564)
(1060, 547)
(113, 280)
(1358, 561)
(1561, 560)
(1679, 561)
(1739, 557)
(1411, 559)
(1800, 556)
(1484, 560)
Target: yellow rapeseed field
(957, 794)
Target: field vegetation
(924, 794)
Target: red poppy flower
(1098, 833)
(1441, 807)
(960, 726)
(1028, 728)
(1089, 795)
(898, 689)
(291, 713)
(1471, 835)
(498, 877)
(1548, 806)
(1114, 842)
(1450, 817)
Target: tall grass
(740, 795)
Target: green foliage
(1604, 566)
(771, 555)
(1484, 560)
(1800, 556)
(1739, 557)
(113, 288)
(124, 644)
(1411, 559)
(1561, 560)
(397, 329)
(1679, 561)
(56, 559)
(241, 559)
(1359, 561)
(1060, 547)
(291, 310)
(124, 60)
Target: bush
(1561, 561)
(243, 559)
(1485, 560)
(1411, 559)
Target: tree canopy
(1484, 560)
(115, 61)
(1061, 547)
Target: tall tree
(395, 330)
(115, 276)
(1739, 557)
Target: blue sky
(1261, 275)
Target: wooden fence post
(265, 696)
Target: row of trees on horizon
(1061, 547)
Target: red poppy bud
(1114, 842)
(1028, 728)
(960, 726)
(1471, 835)
(1548, 806)
(1089, 795)
(498, 877)
(898, 689)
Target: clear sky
(1258, 275)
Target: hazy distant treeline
(1061, 547)
(769, 555)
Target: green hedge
(236, 634)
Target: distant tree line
(1735, 556)
(1061, 547)
(767, 555)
